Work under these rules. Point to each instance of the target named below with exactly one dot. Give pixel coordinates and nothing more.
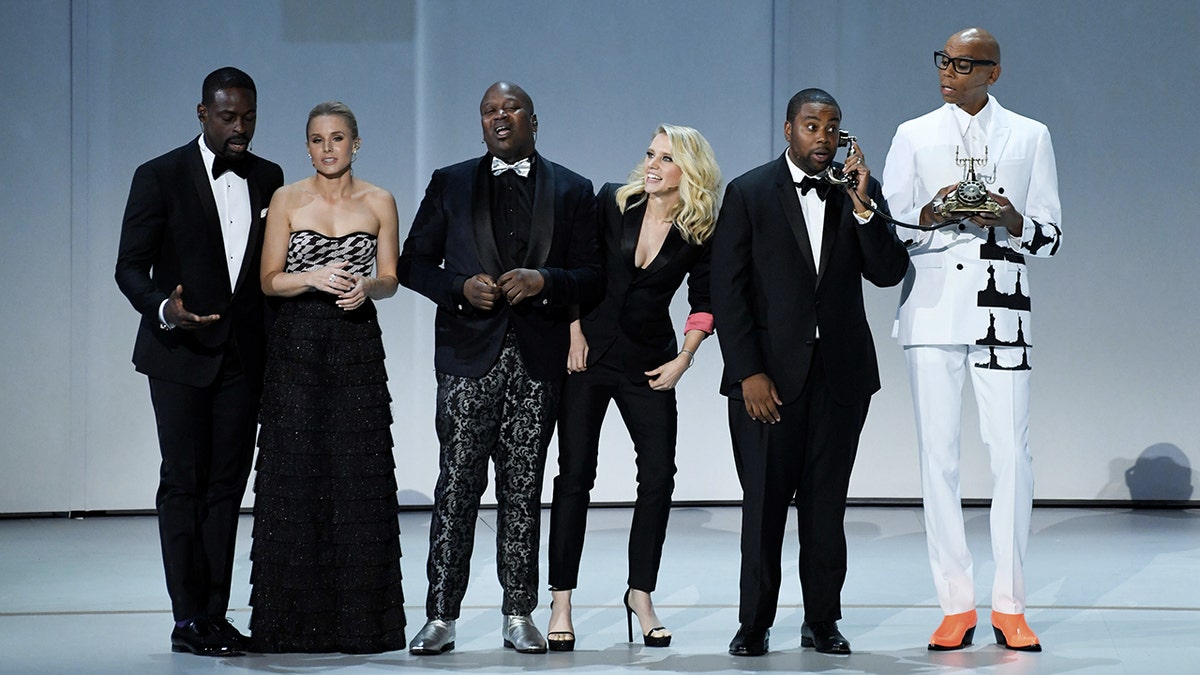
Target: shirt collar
(207, 156)
(982, 119)
(797, 173)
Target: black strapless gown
(326, 549)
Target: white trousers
(937, 373)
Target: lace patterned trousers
(507, 417)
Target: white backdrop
(92, 89)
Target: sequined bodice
(309, 250)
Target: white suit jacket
(967, 284)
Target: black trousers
(807, 458)
(652, 419)
(507, 417)
(206, 437)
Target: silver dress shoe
(435, 637)
(520, 634)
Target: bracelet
(868, 213)
(691, 356)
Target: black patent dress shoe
(824, 637)
(226, 628)
(750, 641)
(199, 636)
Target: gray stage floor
(1110, 591)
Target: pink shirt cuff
(699, 321)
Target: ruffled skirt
(326, 549)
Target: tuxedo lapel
(255, 234)
(631, 231)
(666, 253)
(789, 203)
(835, 201)
(541, 230)
(200, 181)
(209, 220)
(481, 222)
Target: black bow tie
(220, 165)
(809, 183)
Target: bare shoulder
(370, 191)
(375, 197)
(293, 193)
(292, 197)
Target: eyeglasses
(962, 64)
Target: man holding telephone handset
(790, 254)
(965, 310)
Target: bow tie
(220, 165)
(521, 168)
(809, 183)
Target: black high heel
(648, 639)
(560, 640)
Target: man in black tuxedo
(504, 244)
(789, 256)
(188, 260)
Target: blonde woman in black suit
(655, 230)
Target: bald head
(506, 89)
(984, 41)
(975, 56)
(509, 124)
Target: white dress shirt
(813, 208)
(231, 192)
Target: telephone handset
(834, 174)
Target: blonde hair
(333, 108)
(695, 215)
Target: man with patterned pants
(505, 244)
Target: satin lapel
(210, 220)
(666, 253)
(631, 230)
(541, 230)
(789, 202)
(256, 226)
(481, 223)
(835, 201)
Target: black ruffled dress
(326, 550)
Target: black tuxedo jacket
(769, 298)
(452, 239)
(171, 235)
(634, 318)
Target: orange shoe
(955, 632)
(1012, 632)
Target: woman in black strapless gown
(326, 550)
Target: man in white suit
(964, 311)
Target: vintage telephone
(835, 175)
(968, 199)
(971, 196)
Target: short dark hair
(811, 95)
(225, 78)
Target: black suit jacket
(634, 318)
(171, 235)
(452, 239)
(769, 298)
